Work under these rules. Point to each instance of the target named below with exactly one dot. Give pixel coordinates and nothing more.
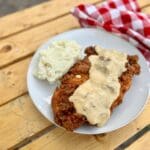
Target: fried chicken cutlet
(64, 111)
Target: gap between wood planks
(41, 23)
(32, 138)
(26, 56)
(13, 99)
(133, 138)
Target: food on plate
(55, 61)
(93, 87)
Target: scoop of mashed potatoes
(55, 61)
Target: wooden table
(21, 125)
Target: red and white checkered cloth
(122, 17)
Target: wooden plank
(59, 139)
(19, 120)
(13, 81)
(25, 43)
(62, 140)
(36, 15)
(141, 144)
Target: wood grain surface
(26, 43)
(13, 78)
(21, 125)
(37, 15)
(19, 120)
(59, 139)
(106, 142)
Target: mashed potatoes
(55, 61)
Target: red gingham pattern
(122, 17)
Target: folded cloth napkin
(122, 17)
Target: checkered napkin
(122, 17)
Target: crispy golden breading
(65, 114)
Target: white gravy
(94, 97)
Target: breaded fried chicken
(65, 114)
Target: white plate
(134, 100)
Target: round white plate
(134, 100)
